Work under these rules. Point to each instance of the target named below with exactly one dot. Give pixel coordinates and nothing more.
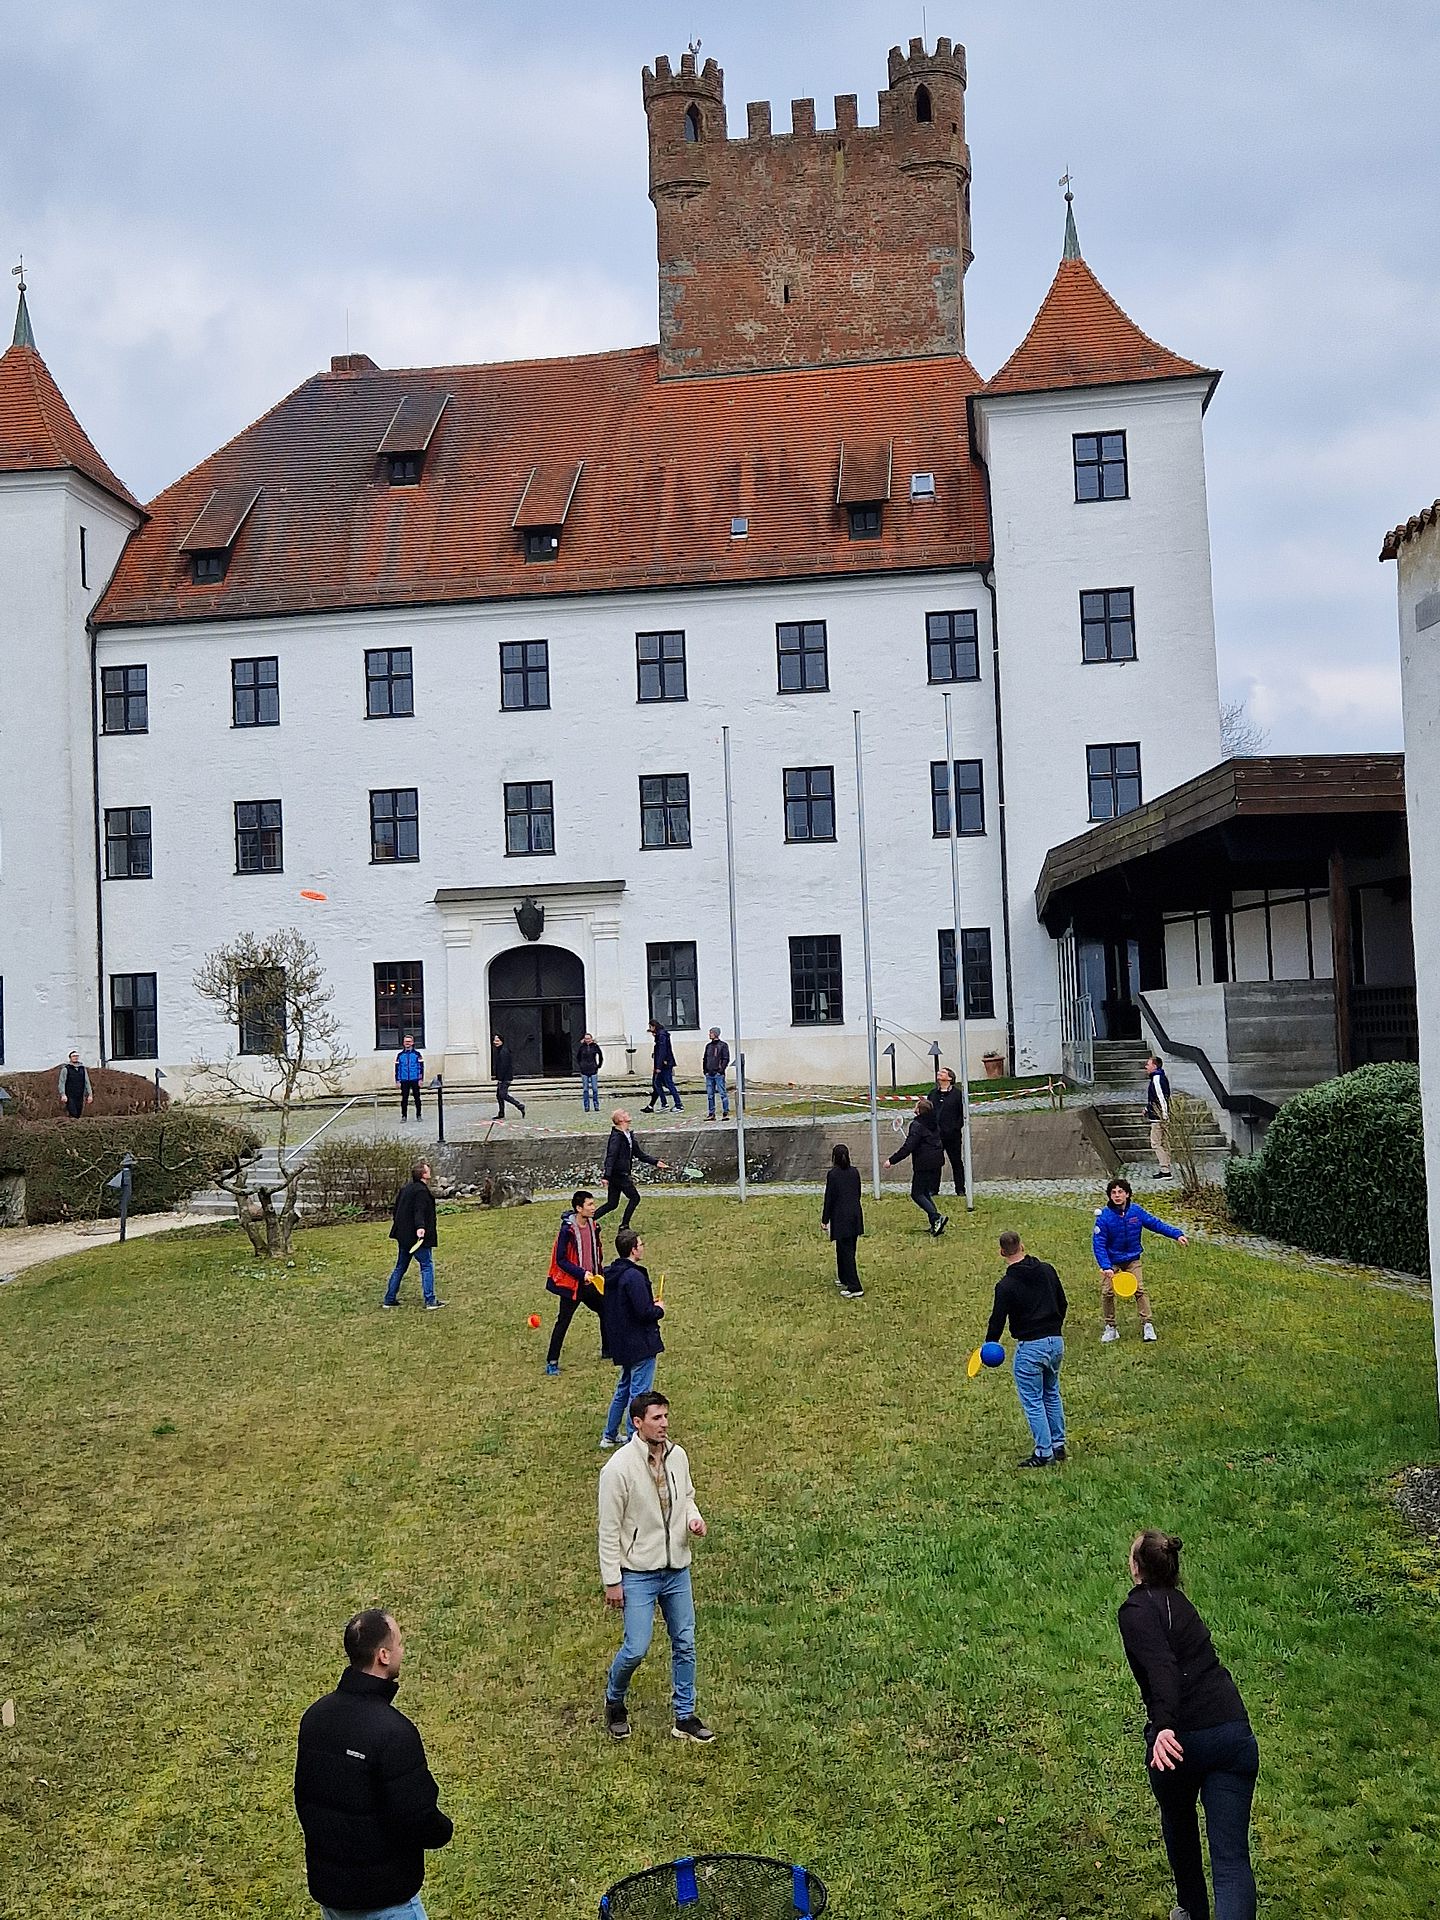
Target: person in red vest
(575, 1259)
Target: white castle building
(436, 642)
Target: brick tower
(810, 248)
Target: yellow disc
(1125, 1285)
(973, 1365)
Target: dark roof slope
(1081, 337)
(39, 433)
(666, 466)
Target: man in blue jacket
(662, 1073)
(1119, 1225)
(630, 1317)
(409, 1072)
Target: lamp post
(120, 1184)
(890, 1052)
(962, 1079)
(935, 1061)
(5, 1098)
(438, 1083)
(869, 981)
(159, 1076)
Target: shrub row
(1341, 1171)
(359, 1178)
(35, 1096)
(67, 1163)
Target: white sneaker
(1149, 1333)
(1110, 1333)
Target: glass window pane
(1113, 447)
(1127, 759)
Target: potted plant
(994, 1065)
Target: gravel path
(22, 1247)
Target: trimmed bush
(1342, 1171)
(34, 1096)
(356, 1179)
(67, 1163)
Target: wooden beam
(1341, 954)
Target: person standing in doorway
(1157, 1112)
(1029, 1295)
(367, 1802)
(409, 1072)
(923, 1150)
(74, 1087)
(843, 1218)
(622, 1150)
(589, 1058)
(1119, 1228)
(716, 1063)
(648, 1517)
(950, 1123)
(630, 1317)
(1199, 1746)
(503, 1068)
(412, 1227)
(575, 1259)
(662, 1069)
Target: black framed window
(529, 816)
(660, 666)
(979, 974)
(809, 803)
(524, 674)
(803, 664)
(84, 560)
(673, 984)
(1114, 777)
(209, 567)
(261, 1007)
(664, 809)
(259, 842)
(133, 1029)
(542, 543)
(394, 825)
(255, 692)
(1102, 470)
(969, 785)
(817, 997)
(127, 843)
(1107, 624)
(399, 1002)
(404, 469)
(866, 522)
(125, 704)
(389, 683)
(952, 647)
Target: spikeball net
(718, 1886)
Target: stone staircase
(1120, 1067)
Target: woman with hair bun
(1198, 1742)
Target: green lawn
(909, 1649)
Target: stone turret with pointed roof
(38, 432)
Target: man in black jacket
(622, 1150)
(662, 1069)
(503, 1068)
(367, 1801)
(412, 1227)
(630, 1317)
(1031, 1297)
(715, 1062)
(950, 1120)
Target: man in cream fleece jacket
(648, 1516)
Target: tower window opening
(787, 293)
(924, 111)
(692, 123)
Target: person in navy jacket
(1119, 1225)
(409, 1072)
(630, 1317)
(662, 1075)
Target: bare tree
(271, 991)
(1241, 737)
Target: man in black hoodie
(503, 1067)
(367, 1801)
(1031, 1297)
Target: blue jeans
(590, 1091)
(1037, 1381)
(1219, 1769)
(662, 1081)
(671, 1587)
(425, 1260)
(637, 1379)
(407, 1910)
(715, 1083)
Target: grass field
(908, 1648)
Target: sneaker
(1060, 1453)
(389, 1303)
(692, 1727)
(709, 1116)
(1163, 1174)
(1149, 1333)
(522, 1113)
(552, 1366)
(1179, 1913)
(1036, 1460)
(617, 1720)
(648, 1109)
(1110, 1333)
(609, 1440)
(852, 1293)
(433, 1306)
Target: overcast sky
(202, 195)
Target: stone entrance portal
(537, 1004)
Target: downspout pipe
(91, 630)
(987, 576)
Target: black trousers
(922, 1186)
(612, 1199)
(502, 1094)
(568, 1304)
(74, 1105)
(846, 1271)
(955, 1154)
(409, 1088)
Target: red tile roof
(1417, 523)
(1082, 338)
(667, 464)
(39, 433)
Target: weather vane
(1065, 182)
(18, 273)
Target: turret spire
(24, 333)
(1072, 238)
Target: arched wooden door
(537, 1004)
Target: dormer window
(692, 124)
(865, 521)
(863, 485)
(405, 469)
(542, 543)
(210, 543)
(208, 567)
(407, 437)
(544, 505)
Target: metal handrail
(354, 1101)
(1248, 1106)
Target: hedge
(67, 1163)
(1341, 1171)
(35, 1096)
(355, 1179)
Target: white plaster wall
(593, 744)
(47, 888)
(1048, 549)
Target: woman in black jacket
(843, 1218)
(950, 1121)
(923, 1150)
(1198, 1742)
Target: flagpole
(963, 1072)
(735, 975)
(871, 1060)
